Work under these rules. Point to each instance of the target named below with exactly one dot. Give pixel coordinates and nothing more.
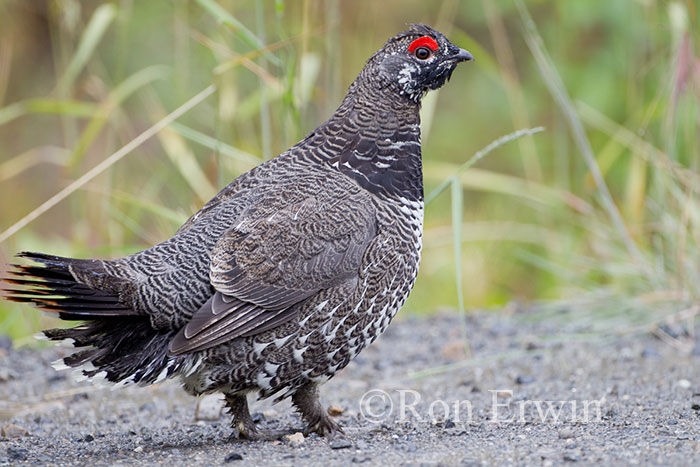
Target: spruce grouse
(286, 275)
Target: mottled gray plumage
(286, 275)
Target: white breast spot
(258, 347)
(271, 368)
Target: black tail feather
(53, 288)
(114, 343)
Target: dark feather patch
(282, 258)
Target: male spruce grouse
(286, 275)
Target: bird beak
(463, 56)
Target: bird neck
(373, 138)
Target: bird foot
(326, 426)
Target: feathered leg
(242, 421)
(308, 402)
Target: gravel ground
(648, 393)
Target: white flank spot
(321, 305)
(303, 339)
(303, 322)
(332, 355)
(40, 336)
(263, 381)
(258, 347)
(349, 331)
(299, 354)
(281, 341)
(271, 368)
(329, 337)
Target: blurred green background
(598, 213)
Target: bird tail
(114, 343)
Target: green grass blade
(41, 155)
(107, 163)
(457, 210)
(245, 158)
(558, 91)
(184, 159)
(245, 34)
(65, 107)
(95, 30)
(480, 155)
(115, 98)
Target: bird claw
(325, 427)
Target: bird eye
(423, 53)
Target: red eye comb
(425, 41)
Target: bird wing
(275, 259)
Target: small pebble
(361, 445)
(532, 346)
(684, 384)
(341, 443)
(650, 352)
(6, 375)
(13, 431)
(360, 459)
(297, 439)
(234, 456)
(335, 410)
(566, 433)
(524, 379)
(667, 329)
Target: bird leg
(242, 421)
(307, 402)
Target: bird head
(416, 61)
